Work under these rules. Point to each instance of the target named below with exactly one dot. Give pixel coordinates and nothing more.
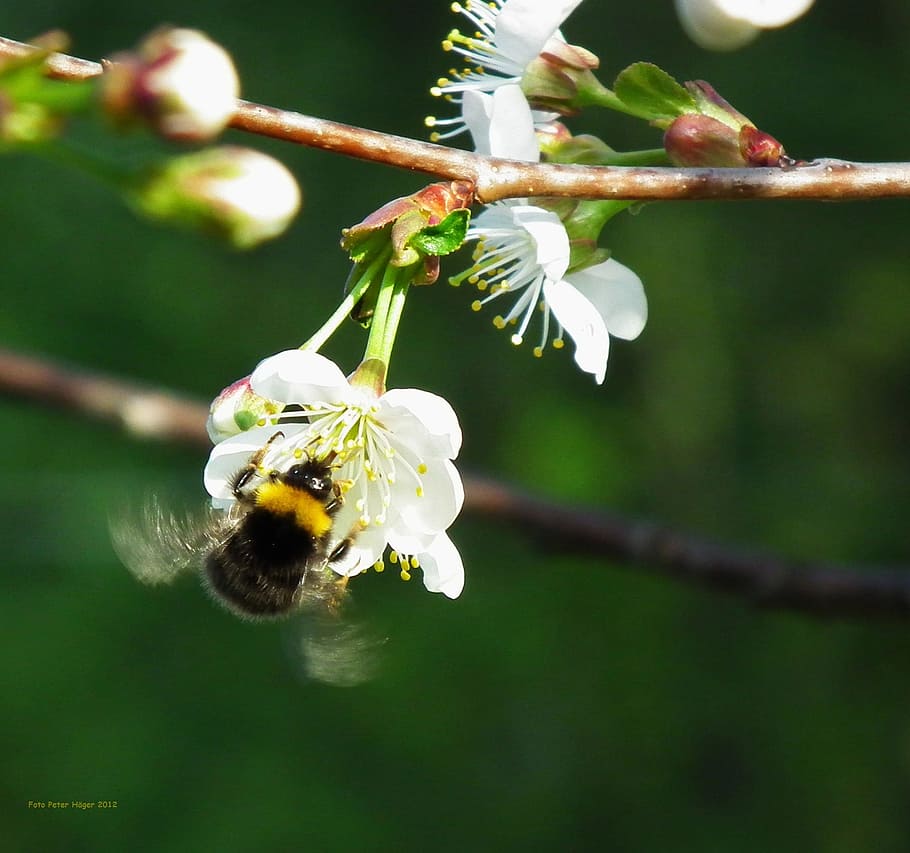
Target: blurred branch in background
(494, 178)
(766, 580)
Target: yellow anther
(405, 575)
(558, 343)
(379, 566)
(364, 521)
(538, 352)
(419, 491)
(482, 284)
(261, 422)
(415, 563)
(393, 557)
(422, 468)
(447, 45)
(499, 321)
(476, 305)
(429, 121)
(298, 453)
(435, 91)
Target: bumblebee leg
(243, 476)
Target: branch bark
(763, 579)
(495, 179)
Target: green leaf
(652, 93)
(444, 238)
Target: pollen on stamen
(447, 45)
(405, 575)
(393, 557)
(422, 468)
(419, 491)
(499, 321)
(415, 563)
(379, 566)
(558, 343)
(261, 422)
(298, 453)
(538, 352)
(476, 305)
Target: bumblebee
(265, 557)
(269, 556)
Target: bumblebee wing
(334, 650)
(156, 544)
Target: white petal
(578, 316)
(406, 542)
(295, 376)
(367, 547)
(618, 295)
(765, 13)
(439, 504)
(477, 112)
(523, 27)
(549, 235)
(231, 455)
(443, 570)
(710, 27)
(501, 124)
(424, 422)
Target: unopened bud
(236, 409)
(179, 82)
(719, 135)
(561, 78)
(244, 195)
(729, 24)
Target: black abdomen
(259, 569)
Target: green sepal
(652, 93)
(444, 238)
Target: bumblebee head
(310, 476)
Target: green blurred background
(560, 703)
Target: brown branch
(766, 580)
(832, 180)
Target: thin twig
(766, 580)
(494, 179)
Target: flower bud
(179, 82)
(560, 79)
(236, 409)
(244, 195)
(719, 135)
(730, 24)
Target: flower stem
(347, 305)
(387, 314)
(645, 157)
(100, 168)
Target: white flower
(523, 249)
(393, 452)
(179, 81)
(243, 194)
(507, 36)
(729, 24)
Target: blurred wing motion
(157, 545)
(334, 650)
